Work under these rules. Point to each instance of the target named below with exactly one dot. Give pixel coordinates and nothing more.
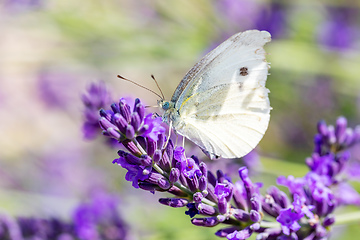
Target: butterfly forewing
(222, 102)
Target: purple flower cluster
(330, 154)
(95, 98)
(270, 16)
(97, 219)
(339, 31)
(154, 164)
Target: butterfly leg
(168, 138)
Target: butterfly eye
(166, 105)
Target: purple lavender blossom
(123, 124)
(96, 98)
(97, 219)
(245, 14)
(339, 31)
(23, 4)
(272, 19)
(238, 12)
(154, 164)
(54, 88)
(289, 220)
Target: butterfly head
(165, 105)
(170, 113)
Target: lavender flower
(154, 164)
(54, 88)
(272, 19)
(97, 219)
(96, 97)
(251, 14)
(23, 4)
(339, 31)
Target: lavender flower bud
(149, 187)
(225, 231)
(164, 162)
(318, 141)
(211, 193)
(174, 175)
(211, 178)
(205, 209)
(170, 152)
(329, 220)
(255, 203)
(239, 196)
(113, 133)
(139, 108)
(174, 202)
(331, 135)
(160, 141)
(130, 132)
(255, 216)
(115, 108)
(255, 226)
(220, 176)
(198, 197)
(322, 128)
(120, 122)
(150, 147)
(341, 125)
(146, 160)
(159, 179)
(135, 120)
(196, 159)
(105, 124)
(203, 169)
(205, 222)
(129, 158)
(125, 110)
(349, 136)
(157, 156)
(105, 114)
(356, 135)
(131, 147)
(241, 215)
(279, 197)
(177, 192)
(270, 207)
(202, 183)
(222, 205)
(193, 183)
(143, 129)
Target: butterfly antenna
(121, 77)
(152, 76)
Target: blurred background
(51, 51)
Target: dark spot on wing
(244, 71)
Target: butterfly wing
(222, 101)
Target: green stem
(264, 224)
(347, 218)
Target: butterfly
(222, 103)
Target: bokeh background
(50, 52)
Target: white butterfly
(222, 103)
